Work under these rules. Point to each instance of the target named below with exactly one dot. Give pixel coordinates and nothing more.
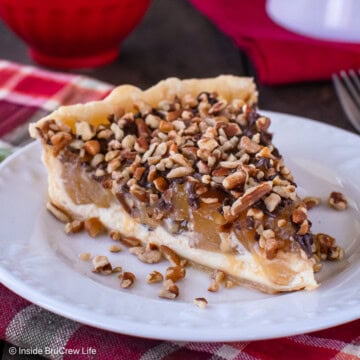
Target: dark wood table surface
(175, 40)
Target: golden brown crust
(124, 96)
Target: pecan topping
(154, 277)
(127, 279)
(74, 227)
(161, 184)
(249, 145)
(114, 248)
(299, 215)
(170, 291)
(84, 130)
(337, 201)
(92, 147)
(93, 226)
(179, 172)
(102, 265)
(175, 273)
(201, 303)
(60, 140)
(272, 201)
(146, 256)
(235, 179)
(311, 202)
(250, 197)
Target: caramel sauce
(99, 120)
(81, 188)
(205, 222)
(95, 121)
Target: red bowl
(73, 33)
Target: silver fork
(347, 86)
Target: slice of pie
(189, 165)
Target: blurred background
(176, 39)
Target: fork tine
(355, 78)
(349, 106)
(350, 86)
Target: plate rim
(58, 307)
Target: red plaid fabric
(26, 94)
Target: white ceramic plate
(39, 262)
(334, 20)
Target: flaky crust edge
(123, 97)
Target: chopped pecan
(257, 214)
(180, 160)
(337, 201)
(165, 126)
(152, 121)
(263, 123)
(93, 226)
(74, 226)
(106, 133)
(235, 179)
(175, 273)
(145, 255)
(127, 279)
(97, 160)
(208, 144)
(161, 150)
(161, 184)
(201, 302)
(179, 172)
(128, 142)
(324, 242)
(311, 202)
(270, 244)
(60, 140)
(84, 130)
(115, 235)
(171, 291)
(102, 265)
(114, 248)
(272, 201)
(249, 145)
(250, 197)
(92, 147)
(154, 277)
(217, 107)
(299, 215)
(286, 192)
(139, 192)
(335, 253)
(232, 129)
(304, 228)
